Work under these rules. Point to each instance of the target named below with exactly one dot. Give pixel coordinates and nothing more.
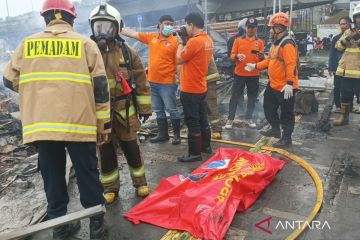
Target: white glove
(288, 91)
(250, 67)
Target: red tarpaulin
(205, 201)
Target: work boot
(205, 138)
(194, 154)
(142, 191)
(65, 231)
(110, 197)
(176, 127)
(273, 132)
(284, 141)
(163, 134)
(344, 117)
(96, 227)
(229, 124)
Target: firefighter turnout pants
(349, 87)
(274, 99)
(52, 164)
(109, 168)
(213, 108)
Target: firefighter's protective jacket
(213, 73)
(116, 59)
(61, 79)
(349, 64)
(282, 64)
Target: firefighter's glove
(144, 117)
(250, 67)
(288, 91)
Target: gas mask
(104, 32)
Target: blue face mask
(167, 30)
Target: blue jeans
(163, 99)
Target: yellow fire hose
(314, 175)
(306, 166)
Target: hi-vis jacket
(61, 80)
(213, 73)
(349, 64)
(133, 70)
(282, 64)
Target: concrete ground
(291, 196)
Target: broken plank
(86, 213)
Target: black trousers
(349, 87)
(195, 111)
(337, 90)
(52, 162)
(237, 95)
(274, 99)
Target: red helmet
(280, 18)
(64, 5)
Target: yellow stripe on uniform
(137, 172)
(59, 127)
(103, 114)
(55, 76)
(348, 71)
(352, 50)
(212, 76)
(110, 177)
(131, 112)
(143, 99)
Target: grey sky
(17, 7)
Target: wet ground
(335, 155)
(291, 197)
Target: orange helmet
(64, 5)
(280, 18)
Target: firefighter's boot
(163, 134)
(216, 135)
(110, 197)
(205, 138)
(65, 231)
(344, 117)
(194, 154)
(135, 161)
(176, 127)
(97, 227)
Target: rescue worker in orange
(247, 49)
(195, 59)
(283, 80)
(130, 101)
(161, 75)
(64, 102)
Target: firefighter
(195, 59)
(247, 48)
(349, 67)
(64, 101)
(130, 101)
(283, 80)
(162, 71)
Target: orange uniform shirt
(162, 57)
(196, 56)
(244, 45)
(281, 72)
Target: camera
(182, 32)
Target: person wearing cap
(161, 75)
(282, 65)
(247, 49)
(65, 105)
(241, 31)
